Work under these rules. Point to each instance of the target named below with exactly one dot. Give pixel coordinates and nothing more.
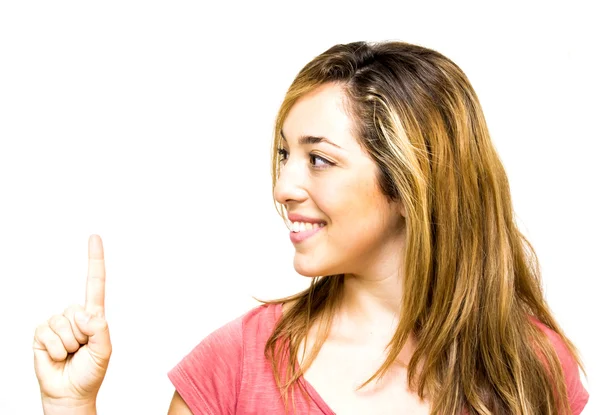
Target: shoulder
(257, 323)
(577, 394)
(568, 362)
(209, 377)
(228, 341)
(263, 316)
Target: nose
(290, 186)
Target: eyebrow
(311, 139)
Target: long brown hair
(472, 284)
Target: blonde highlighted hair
(472, 285)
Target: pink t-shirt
(227, 372)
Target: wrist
(68, 407)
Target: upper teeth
(305, 226)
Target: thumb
(96, 329)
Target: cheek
(347, 199)
(331, 201)
(364, 214)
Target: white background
(150, 122)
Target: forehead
(320, 113)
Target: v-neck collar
(314, 395)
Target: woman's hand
(72, 350)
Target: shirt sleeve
(208, 378)
(577, 394)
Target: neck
(372, 299)
(370, 308)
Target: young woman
(425, 297)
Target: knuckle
(47, 338)
(41, 333)
(58, 322)
(52, 320)
(70, 310)
(40, 328)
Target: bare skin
(344, 362)
(72, 350)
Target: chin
(310, 268)
(310, 272)
(307, 268)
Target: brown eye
(319, 162)
(283, 155)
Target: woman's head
(415, 118)
(341, 222)
(424, 179)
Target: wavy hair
(472, 288)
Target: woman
(425, 297)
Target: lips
(297, 237)
(303, 227)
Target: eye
(320, 162)
(283, 155)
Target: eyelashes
(323, 163)
(316, 161)
(283, 155)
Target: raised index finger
(94, 292)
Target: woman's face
(326, 178)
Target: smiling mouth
(299, 234)
(298, 227)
